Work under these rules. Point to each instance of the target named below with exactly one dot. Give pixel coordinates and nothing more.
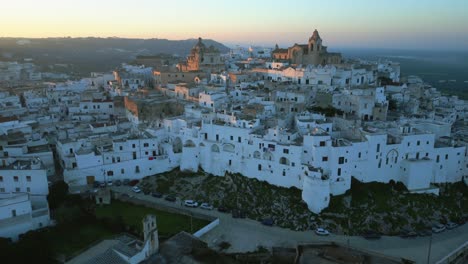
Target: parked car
(222, 209)
(437, 228)
(322, 232)
(424, 233)
(408, 234)
(96, 184)
(236, 213)
(156, 194)
(109, 182)
(190, 203)
(206, 206)
(126, 181)
(118, 182)
(371, 235)
(136, 189)
(170, 198)
(451, 225)
(267, 222)
(133, 182)
(102, 184)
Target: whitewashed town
(297, 116)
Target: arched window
(189, 144)
(268, 156)
(228, 148)
(284, 161)
(256, 155)
(214, 148)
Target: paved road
(245, 235)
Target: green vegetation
(168, 223)
(327, 111)
(387, 208)
(69, 240)
(80, 224)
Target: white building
(22, 212)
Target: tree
(57, 194)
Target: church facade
(312, 53)
(202, 58)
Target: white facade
(22, 212)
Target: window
(121, 148)
(28, 178)
(339, 172)
(232, 137)
(17, 189)
(122, 171)
(110, 173)
(427, 142)
(13, 213)
(133, 145)
(417, 155)
(340, 160)
(378, 147)
(15, 178)
(1, 178)
(359, 155)
(324, 158)
(418, 143)
(239, 139)
(28, 189)
(2, 190)
(286, 151)
(446, 156)
(293, 164)
(322, 143)
(438, 159)
(145, 145)
(259, 167)
(137, 169)
(284, 173)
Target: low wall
(457, 256)
(207, 228)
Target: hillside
(92, 54)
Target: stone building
(313, 53)
(202, 58)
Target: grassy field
(68, 241)
(168, 223)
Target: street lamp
(429, 251)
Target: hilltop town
(299, 116)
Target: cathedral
(313, 53)
(202, 58)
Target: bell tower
(315, 48)
(150, 234)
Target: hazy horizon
(393, 24)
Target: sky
(401, 24)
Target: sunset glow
(382, 23)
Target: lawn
(76, 238)
(168, 223)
